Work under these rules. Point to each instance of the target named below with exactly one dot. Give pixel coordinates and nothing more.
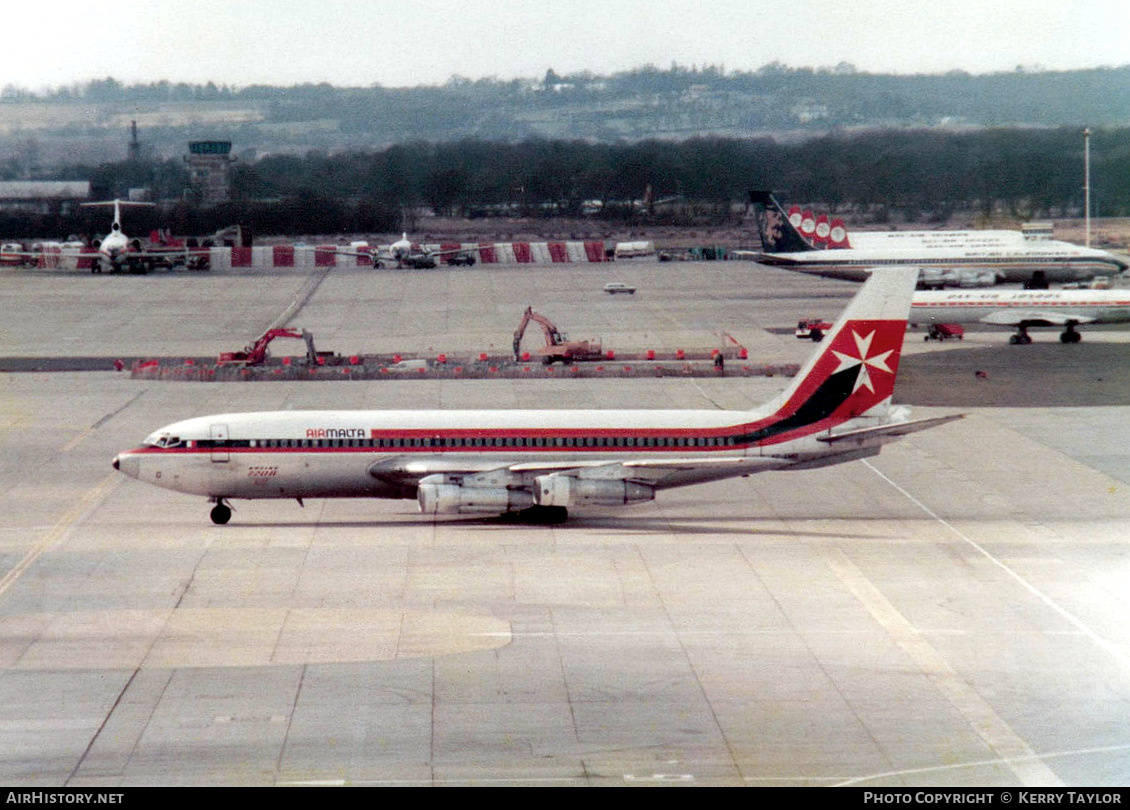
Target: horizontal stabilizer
(894, 431)
(120, 203)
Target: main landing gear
(1069, 335)
(541, 515)
(221, 512)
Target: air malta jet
(538, 464)
(946, 258)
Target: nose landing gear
(221, 512)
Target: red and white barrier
(311, 257)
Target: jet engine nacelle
(931, 278)
(436, 497)
(968, 279)
(564, 490)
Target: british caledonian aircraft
(1023, 309)
(946, 258)
(537, 464)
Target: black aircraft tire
(221, 514)
(544, 515)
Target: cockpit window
(163, 440)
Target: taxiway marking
(57, 531)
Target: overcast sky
(399, 43)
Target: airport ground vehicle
(812, 329)
(616, 287)
(11, 254)
(461, 260)
(256, 353)
(557, 346)
(945, 331)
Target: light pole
(1087, 185)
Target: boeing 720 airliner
(538, 464)
(945, 258)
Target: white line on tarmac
(1012, 749)
(1110, 749)
(1112, 649)
(57, 531)
(1015, 751)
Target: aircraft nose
(128, 464)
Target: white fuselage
(401, 248)
(1008, 254)
(1005, 306)
(115, 245)
(292, 454)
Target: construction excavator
(256, 353)
(557, 347)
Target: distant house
(43, 196)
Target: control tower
(209, 171)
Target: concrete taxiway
(952, 612)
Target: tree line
(915, 175)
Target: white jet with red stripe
(536, 464)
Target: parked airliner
(946, 258)
(537, 464)
(406, 254)
(1023, 309)
(118, 250)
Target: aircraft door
(219, 443)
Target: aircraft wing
(35, 254)
(89, 252)
(383, 253)
(1033, 317)
(659, 473)
(167, 253)
(450, 251)
(371, 253)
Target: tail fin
(778, 235)
(853, 371)
(838, 236)
(823, 232)
(117, 205)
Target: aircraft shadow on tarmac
(1047, 375)
(623, 526)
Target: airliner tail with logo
(945, 258)
(537, 465)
